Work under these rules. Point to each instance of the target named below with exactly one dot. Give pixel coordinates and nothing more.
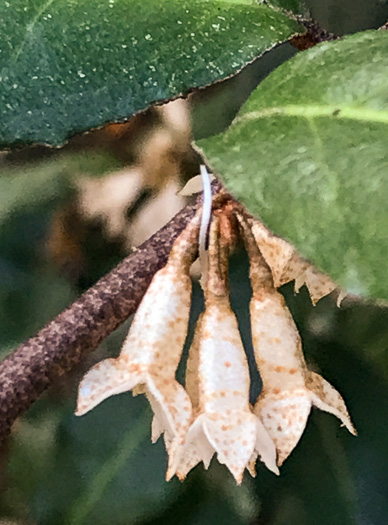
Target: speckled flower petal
(107, 378)
(153, 347)
(156, 429)
(276, 251)
(195, 449)
(284, 403)
(220, 368)
(233, 437)
(289, 388)
(325, 397)
(284, 415)
(194, 453)
(172, 409)
(264, 450)
(287, 265)
(318, 283)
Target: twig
(78, 330)
(314, 35)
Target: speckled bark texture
(62, 343)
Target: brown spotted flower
(289, 388)
(287, 265)
(152, 350)
(218, 383)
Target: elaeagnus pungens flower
(212, 415)
(287, 265)
(289, 388)
(152, 350)
(218, 383)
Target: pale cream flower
(218, 383)
(152, 350)
(289, 388)
(214, 414)
(287, 265)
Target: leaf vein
(337, 112)
(29, 30)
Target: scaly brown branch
(61, 344)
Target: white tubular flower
(289, 388)
(152, 350)
(194, 452)
(287, 265)
(224, 422)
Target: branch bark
(78, 330)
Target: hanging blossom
(287, 265)
(213, 415)
(289, 388)
(152, 350)
(217, 380)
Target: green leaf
(344, 17)
(309, 154)
(87, 502)
(119, 477)
(294, 6)
(69, 66)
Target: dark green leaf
(118, 475)
(294, 6)
(343, 17)
(67, 66)
(309, 154)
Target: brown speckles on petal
(325, 397)
(289, 389)
(287, 265)
(283, 425)
(217, 363)
(160, 323)
(217, 418)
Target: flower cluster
(212, 414)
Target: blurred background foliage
(66, 217)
